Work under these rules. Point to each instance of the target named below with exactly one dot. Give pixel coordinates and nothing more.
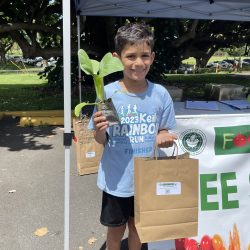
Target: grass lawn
(21, 78)
(26, 92)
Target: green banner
(232, 140)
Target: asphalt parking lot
(32, 192)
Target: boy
(146, 114)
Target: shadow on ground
(17, 138)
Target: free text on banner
(222, 145)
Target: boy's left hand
(164, 139)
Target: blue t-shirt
(141, 116)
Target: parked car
(225, 64)
(231, 61)
(52, 61)
(246, 62)
(222, 64)
(185, 68)
(16, 59)
(44, 63)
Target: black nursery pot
(108, 109)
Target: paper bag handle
(175, 148)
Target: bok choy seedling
(98, 70)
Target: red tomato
(179, 244)
(186, 242)
(240, 140)
(217, 242)
(206, 243)
(191, 244)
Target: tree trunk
(2, 57)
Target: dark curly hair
(133, 33)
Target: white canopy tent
(235, 10)
(190, 9)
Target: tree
(5, 45)
(177, 40)
(214, 35)
(37, 28)
(34, 25)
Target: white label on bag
(90, 154)
(168, 188)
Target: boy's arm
(164, 139)
(100, 124)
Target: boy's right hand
(100, 124)
(100, 121)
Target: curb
(49, 113)
(38, 118)
(40, 121)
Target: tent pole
(67, 113)
(79, 69)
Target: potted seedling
(98, 70)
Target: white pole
(67, 114)
(79, 69)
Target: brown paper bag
(88, 151)
(166, 198)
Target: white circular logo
(193, 141)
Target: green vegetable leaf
(85, 62)
(95, 66)
(98, 70)
(99, 87)
(248, 98)
(79, 107)
(109, 64)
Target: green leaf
(85, 62)
(109, 64)
(79, 107)
(99, 87)
(248, 98)
(95, 66)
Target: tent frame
(238, 10)
(67, 114)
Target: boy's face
(136, 60)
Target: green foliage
(10, 66)
(54, 74)
(235, 51)
(39, 27)
(27, 92)
(109, 64)
(90, 67)
(167, 57)
(206, 78)
(98, 70)
(37, 23)
(80, 106)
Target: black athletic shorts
(116, 210)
